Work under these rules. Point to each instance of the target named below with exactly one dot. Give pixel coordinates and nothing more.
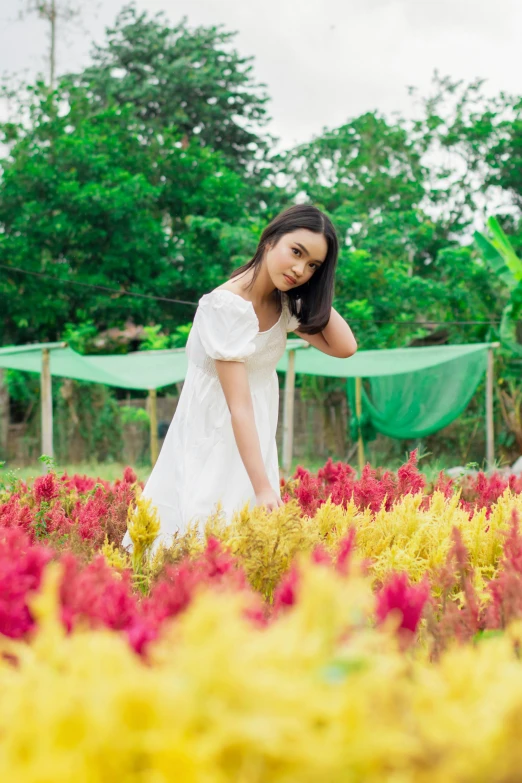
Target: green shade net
(413, 391)
(420, 402)
(141, 370)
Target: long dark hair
(311, 302)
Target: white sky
(323, 61)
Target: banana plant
(499, 254)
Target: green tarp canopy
(142, 370)
(412, 397)
(411, 392)
(374, 364)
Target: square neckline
(266, 331)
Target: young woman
(221, 443)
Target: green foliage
(131, 415)
(150, 172)
(90, 413)
(499, 254)
(183, 78)
(23, 388)
(504, 263)
(154, 339)
(119, 182)
(80, 337)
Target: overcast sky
(322, 61)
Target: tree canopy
(150, 172)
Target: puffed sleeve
(292, 322)
(227, 326)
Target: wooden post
(46, 397)
(358, 413)
(4, 415)
(288, 414)
(153, 416)
(490, 432)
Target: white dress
(199, 463)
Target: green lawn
(112, 471)
(107, 471)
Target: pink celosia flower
(173, 593)
(344, 553)
(129, 476)
(90, 516)
(410, 481)
(286, 593)
(45, 488)
(14, 513)
(95, 592)
(409, 599)
(320, 556)
(506, 587)
(444, 484)
(21, 568)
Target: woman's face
(295, 258)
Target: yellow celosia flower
(114, 556)
(143, 526)
(318, 695)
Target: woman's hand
(268, 498)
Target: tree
(83, 198)
(397, 264)
(189, 79)
(54, 12)
(475, 147)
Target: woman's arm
(234, 381)
(336, 339)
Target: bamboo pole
(153, 417)
(4, 415)
(358, 413)
(46, 397)
(490, 432)
(288, 414)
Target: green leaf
(499, 254)
(494, 260)
(505, 248)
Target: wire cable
(99, 287)
(491, 322)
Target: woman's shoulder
(227, 325)
(224, 304)
(224, 293)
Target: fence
(321, 430)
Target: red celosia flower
(506, 587)
(129, 476)
(21, 568)
(444, 484)
(368, 491)
(336, 472)
(320, 556)
(90, 516)
(96, 592)
(46, 487)
(14, 513)
(286, 593)
(409, 599)
(410, 481)
(309, 492)
(174, 592)
(344, 553)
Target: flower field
(368, 630)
